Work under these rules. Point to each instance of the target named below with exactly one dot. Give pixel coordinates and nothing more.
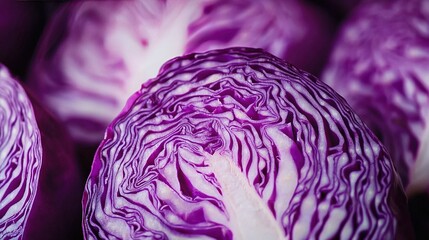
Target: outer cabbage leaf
(40, 184)
(379, 65)
(237, 143)
(95, 54)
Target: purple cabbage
(237, 143)
(95, 54)
(380, 65)
(40, 186)
(20, 157)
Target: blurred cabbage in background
(380, 65)
(95, 54)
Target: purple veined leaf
(386, 80)
(238, 144)
(95, 54)
(40, 184)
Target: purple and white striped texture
(380, 65)
(237, 143)
(95, 54)
(40, 186)
(20, 157)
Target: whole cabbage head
(94, 54)
(40, 184)
(379, 64)
(238, 144)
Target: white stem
(249, 216)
